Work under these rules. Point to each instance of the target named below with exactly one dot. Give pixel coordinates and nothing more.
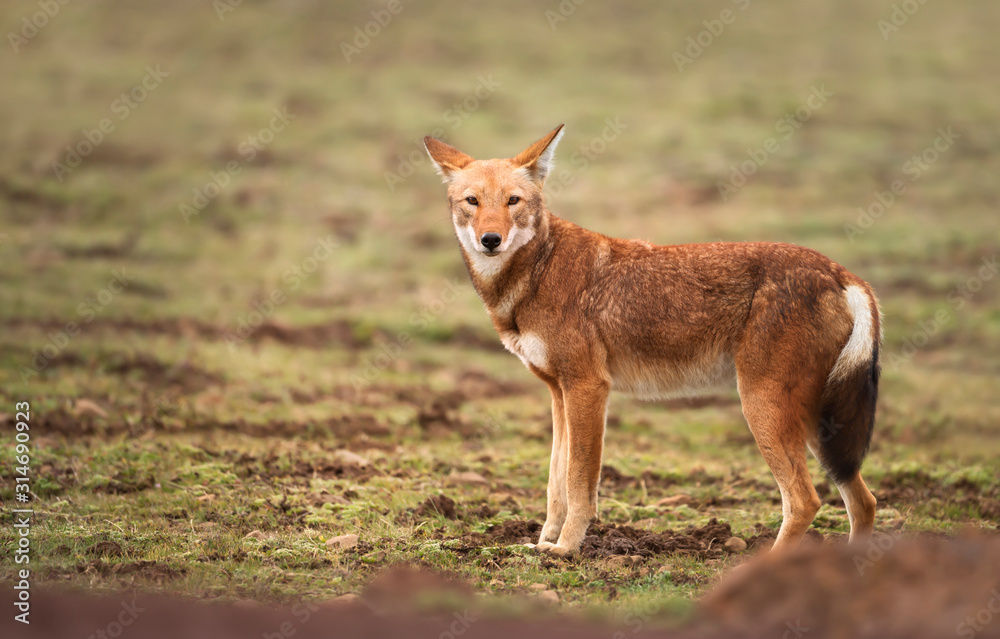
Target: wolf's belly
(647, 379)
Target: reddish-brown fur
(589, 313)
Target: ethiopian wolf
(797, 333)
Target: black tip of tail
(847, 419)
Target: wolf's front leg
(555, 514)
(586, 409)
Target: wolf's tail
(847, 416)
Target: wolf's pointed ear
(447, 159)
(539, 158)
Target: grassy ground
(179, 445)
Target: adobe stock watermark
(957, 298)
(292, 278)
(874, 549)
(419, 321)
(914, 168)
(461, 624)
(364, 34)
(302, 613)
(31, 25)
(583, 155)
(494, 422)
(224, 7)
(974, 624)
(900, 15)
(87, 310)
(122, 107)
(637, 618)
(696, 44)
(115, 628)
(786, 127)
(563, 11)
(248, 149)
(454, 117)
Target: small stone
(549, 596)
(468, 477)
(254, 534)
(619, 561)
(735, 544)
(342, 542)
(87, 407)
(347, 458)
(676, 500)
(636, 559)
(327, 498)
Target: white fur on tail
(858, 350)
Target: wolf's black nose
(491, 240)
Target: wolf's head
(496, 205)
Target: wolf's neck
(504, 286)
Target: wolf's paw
(550, 532)
(555, 549)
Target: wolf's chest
(528, 346)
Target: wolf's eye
(513, 200)
(473, 201)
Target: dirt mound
(437, 416)
(474, 384)
(917, 487)
(614, 478)
(605, 540)
(123, 484)
(273, 465)
(316, 336)
(764, 537)
(183, 376)
(887, 588)
(439, 420)
(106, 549)
(338, 333)
(346, 428)
(60, 421)
(483, 511)
(444, 506)
(474, 338)
(512, 531)
(60, 478)
(437, 505)
(152, 570)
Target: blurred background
(226, 261)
